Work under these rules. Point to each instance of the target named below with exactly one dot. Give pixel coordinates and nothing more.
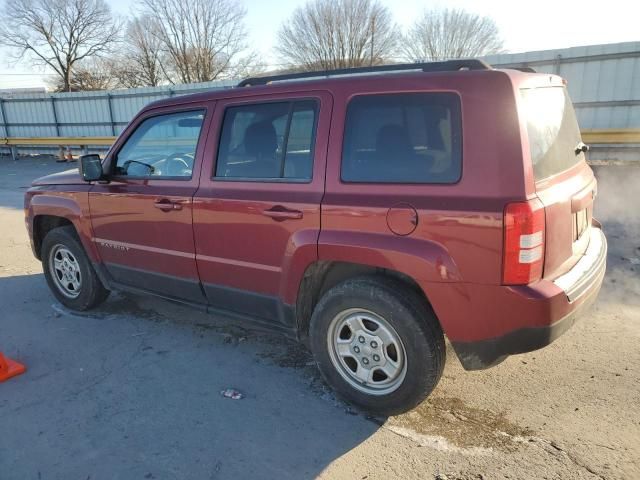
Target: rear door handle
(167, 205)
(282, 213)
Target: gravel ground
(132, 390)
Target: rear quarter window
(403, 138)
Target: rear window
(553, 130)
(402, 138)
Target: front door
(142, 218)
(257, 212)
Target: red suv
(368, 213)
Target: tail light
(523, 242)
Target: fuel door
(402, 219)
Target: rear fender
(423, 260)
(301, 252)
(427, 262)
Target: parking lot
(132, 390)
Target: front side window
(268, 141)
(403, 138)
(163, 146)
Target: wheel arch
(47, 212)
(418, 263)
(42, 225)
(323, 275)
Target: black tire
(414, 323)
(91, 292)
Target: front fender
(72, 206)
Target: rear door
(564, 182)
(257, 211)
(142, 218)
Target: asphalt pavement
(132, 390)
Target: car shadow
(133, 390)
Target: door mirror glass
(90, 167)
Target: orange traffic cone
(68, 156)
(10, 368)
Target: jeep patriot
(367, 213)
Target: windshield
(553, 130)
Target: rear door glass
(552, 129)
(268, 141)
(403, 138)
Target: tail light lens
(523, 242)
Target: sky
(524, 26)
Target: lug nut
(376, 358)
(361, 339)
(374, 344)
(365, 361)
(356, 349)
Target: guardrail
(591, 136)
(63, 143)
(56, 141)
(609, 136)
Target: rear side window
(403, 138)
(552, 129)
(268, 141)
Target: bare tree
(139, 65)
(90, 75)
(451, 33)
(201, 38)
(327, 34)
(248, 65)
(58, 33)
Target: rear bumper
(541, 312)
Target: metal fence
(603, 80)
(84, 114)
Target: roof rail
(445, 66)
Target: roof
(306, 81)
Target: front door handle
(282, 213)
(167, 205)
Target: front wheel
(68, 271)
(378, 344)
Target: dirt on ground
(132, 390)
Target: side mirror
(91, 167)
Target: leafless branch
(89, 75)
(451, 33)
(140, 62)
(200, 39)
(58, 33)
(326, 34)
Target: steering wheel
(177, 166)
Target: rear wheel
(378, 344)
(68, 271)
